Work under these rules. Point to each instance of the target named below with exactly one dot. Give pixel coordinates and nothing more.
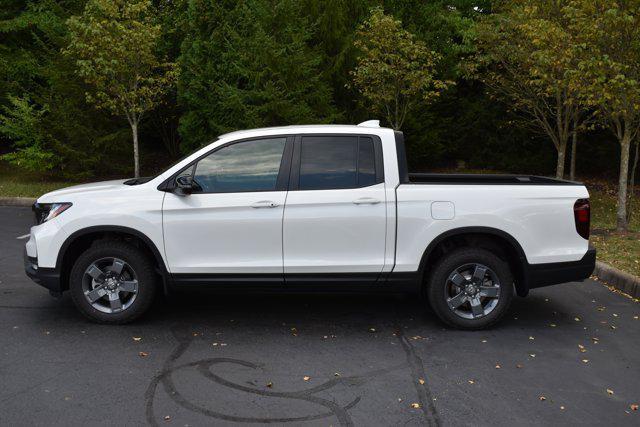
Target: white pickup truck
(311, 208)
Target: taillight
(582, 215)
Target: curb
(17, 201)
(625, 282)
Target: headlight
(46, 211)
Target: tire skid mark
(204, 367)
(425, 397)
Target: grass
(16, 183)
(621, 250)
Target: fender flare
(522, 285)
(113, 228)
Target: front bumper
(47, 277)
(540, 275)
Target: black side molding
(540, 275)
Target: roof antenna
(370, 124)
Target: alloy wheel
(472, 291)
(110, 285)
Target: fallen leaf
(634, 406)
(581, 348)
(143, 354)
(415, 405)
(421, 381)
(137, 338)
(543, 398)
(609, 391)
(306, 378)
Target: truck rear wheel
(470, 288)
(112, 282)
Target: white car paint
(313, 231)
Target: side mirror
(184, 185)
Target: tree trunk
(632, 183)
(574, 143)
(562, 150)
(621, 214)
(136, 153)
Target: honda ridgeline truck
(311, 208)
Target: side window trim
(282, 181)
(294, 181)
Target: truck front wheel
(112, 282)
(470, 288)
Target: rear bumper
(47, 277)
(540, 275)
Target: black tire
(136, 259)
(437, 287)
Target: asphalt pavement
(567, 354)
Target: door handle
(264, 204)
(366, 201)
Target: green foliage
(114, 44)
(394, 70)
(252, 63)
(526, 55)
(249, 64)
(32, 68)
(609, 73)
(21, 123)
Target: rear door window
(336, 162)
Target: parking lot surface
(568, 354)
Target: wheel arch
(82, 239)
(506, 246)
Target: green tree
(526, 56)
(33, 71)
(249, 64)
(609, 70)
(394, 70)
(114, 45)
(22, 124)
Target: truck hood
(60, 195)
